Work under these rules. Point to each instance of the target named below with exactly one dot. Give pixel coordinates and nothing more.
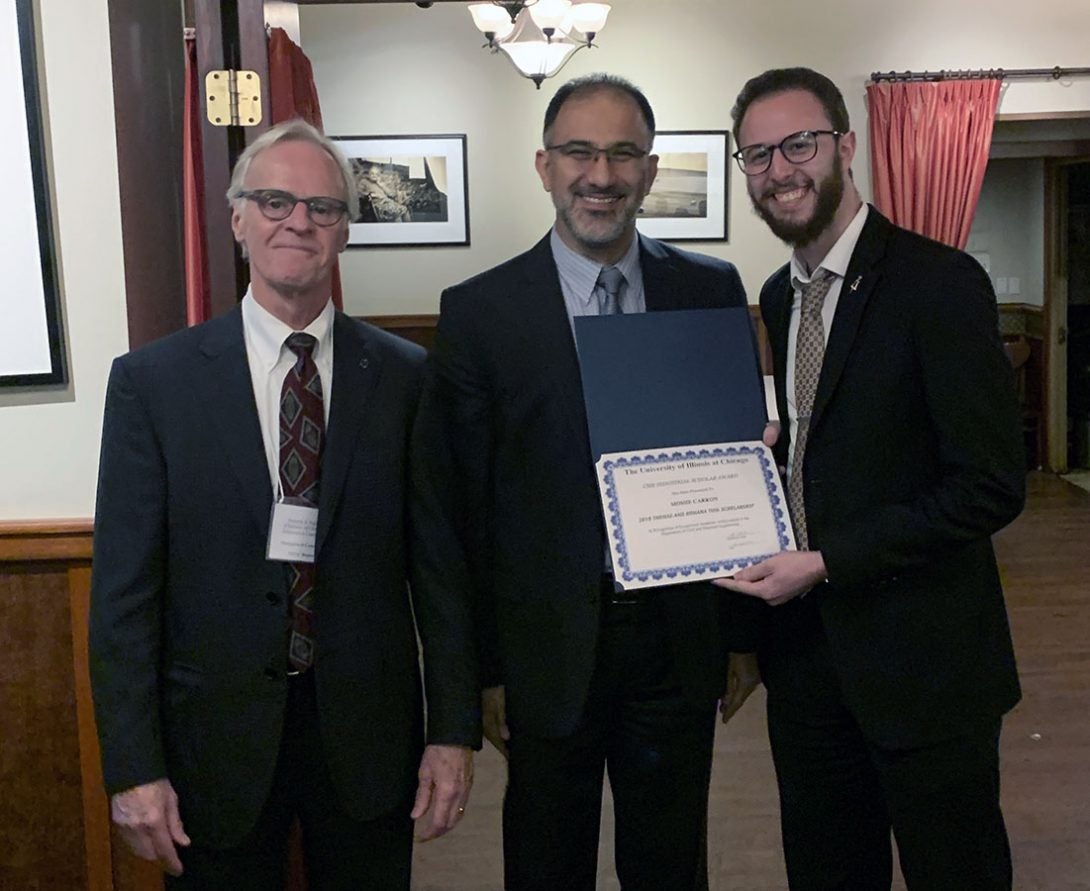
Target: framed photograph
(413, 190)
(31, 341)
(688, 201)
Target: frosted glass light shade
(491, 18)
(588, 17)
(549, 13)
(538, 58)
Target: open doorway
(1076, 187)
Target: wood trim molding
(393, 323)
(37, 540)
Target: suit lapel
(660, 281)
(356, 370)
(859, 283)
(227, 392)
(543, 317)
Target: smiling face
(801, 203)
(597, 201)
(291, 260)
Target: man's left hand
(780, 578)
(446, 776)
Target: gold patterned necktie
(809, 353)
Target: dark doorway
(1078, 314)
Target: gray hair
(298, 130)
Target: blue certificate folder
(656, 380)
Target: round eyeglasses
(277, 205)
(798, 148)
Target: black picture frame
(692, 202)
(31, 373)
(393, 216)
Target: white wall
(49, 439)
(1009, 229)
(394, 68)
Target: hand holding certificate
(675, 407)
(683, 515)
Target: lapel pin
(364, 362)
(855, 284)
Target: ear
(344, 237)
(652, 171)
(846, 149)
(236, 221)
(541, 163)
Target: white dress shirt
(270, 361)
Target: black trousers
(340, 853)
(656, 747)
(841, 795)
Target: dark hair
(781, 80)
(593, 83)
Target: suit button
(272, 674)
(272, 597)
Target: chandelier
(539, 36)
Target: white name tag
(292, 532)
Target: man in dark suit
(888, 660)
(240, 682)
(579, 678)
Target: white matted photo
(688, 201)
(413, 190)
(31, 343)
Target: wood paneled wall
(54, 817)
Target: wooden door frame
(1055, 311)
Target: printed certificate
(692, 513)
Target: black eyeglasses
(798, 148)
(583, 154)
(277, 205)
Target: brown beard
(799, 235)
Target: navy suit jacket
(504, 415)
(189, 620)
(913, 459)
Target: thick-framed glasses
(277, 205)
(798, 148)
(584, 154)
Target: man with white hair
(253, 645)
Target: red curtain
(929, 147)
(292, 94)
(197, 298)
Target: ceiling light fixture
(539, 36)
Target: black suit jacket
(913, 459)
(504, 415)
(188, 618)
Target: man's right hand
(149, 821)
(494, 717)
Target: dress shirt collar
(268, 333)
(580, 274)
(840, 254)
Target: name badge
(293, 530)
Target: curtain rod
(979, 73)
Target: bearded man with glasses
(578, 678)
(253, 645)
(888, 657)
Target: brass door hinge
(233, 98)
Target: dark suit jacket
(914, 458)
(503, 411)
(188, 618)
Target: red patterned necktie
(302, 436)
(809, 353)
